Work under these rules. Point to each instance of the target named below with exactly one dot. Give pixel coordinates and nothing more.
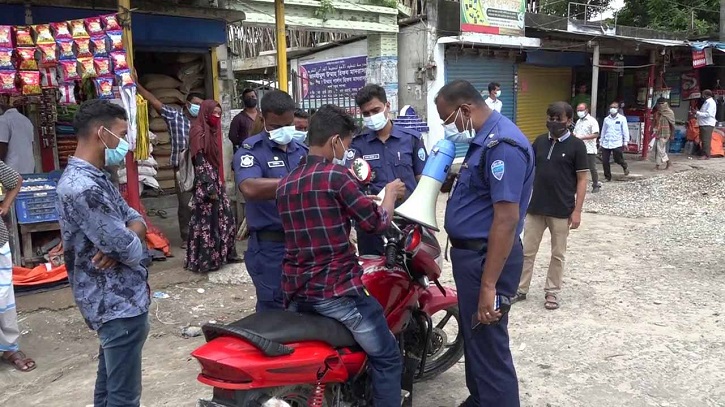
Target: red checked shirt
(316, 202)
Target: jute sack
(155, 81)
(158, 125)
(169, 96)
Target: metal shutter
(538, 87)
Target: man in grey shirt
(16, 140)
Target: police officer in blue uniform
(391, 150)
(259, 164)
(484, 219)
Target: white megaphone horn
(420, 207)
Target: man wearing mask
(560, 185)
(706, 119)
(392, 151)
(587, 130)
(243, 124)
(494, 93)
(259, 163)
(179, 123)
(614, 139)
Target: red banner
(702, 58)
(691, 85)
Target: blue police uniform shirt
(506, 175)
(260, 157)
(403, 156)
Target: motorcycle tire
(434, 367)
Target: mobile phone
(501, 303)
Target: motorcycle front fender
(433, 300)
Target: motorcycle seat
(271, 331)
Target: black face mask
(556, 129)
(250, 102)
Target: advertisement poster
(673, 80)
(505, 17)
(690, 85)
(702, 58)
(334, 81)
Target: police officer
(259, 164)
(484, 218)
(391, 150)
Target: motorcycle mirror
(361, 170)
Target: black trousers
(592, 160)
(618, 158)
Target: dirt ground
(641, 324)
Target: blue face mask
(299, 136)
(377, 121)
(194, 109)
(452, 133)
(115, 156)
(282, 135)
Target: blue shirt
(93, 217)
(260, 157)
(179, 126)
(615, 132)
(506, 175)
(402, 156)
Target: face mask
(556, 129)
(581, 114)
(214, 121)
(377, 121)
(613, 111)
(452, 133)
(498, 93)
(115, 156)
(194, 110)
(299, 136)
(282, 135)
(250, 102)
(335, 160)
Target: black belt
(270, 235)
(476, 245)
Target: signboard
(333, 81)
(701, 58)
(673, 80)
(691, 85)
(505, 17)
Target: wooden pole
(132, 187)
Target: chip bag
(69, 71)
(30, 83)
(43, 34)
(110, 22)
(61, 31)
(26, 59)
(115, 39)
(48, 54)
(6, 59)
(6, 36)
(65, 50)
(78, 29)
(82, 47)
(104, 88)
(7, 82)
(88, 68)
(93, 26)
(67, 94)
(119, 61)
(98, 46)
(103, 67)
(124, 78)
(49, 78)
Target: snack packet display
(98, 46)
(26, 59)
(103, 67)
(30, 83)
(48, 54)
(67, 94)
(93, 26)
(6, 36)
(78, 29)
(48, 78)
(115, 39)
(110, 22)
(43, 34)
(104, 88)
(124, 78)
(7, 82)
(23, 37)
(69, 71)
(119, 61)
(82, 47)
(88, 68)
(65, 50)
(61, 31)
(6, 59)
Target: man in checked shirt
(317, 202)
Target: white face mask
(377, 121)
(452, 133)
(581, 114)
(498, 93)
(613, 111)
(282, 135)
(339, 161)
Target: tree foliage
(672, 15)
(561, 8)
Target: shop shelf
(36, 207)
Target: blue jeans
(119, 362)
(363, 316)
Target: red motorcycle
(310, 360)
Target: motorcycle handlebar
(390, 252)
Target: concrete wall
(412, 56)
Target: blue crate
(676, 146)
(25, 189)
(35, 179)
(36, 207)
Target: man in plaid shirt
(317, 202)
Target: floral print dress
(212, 229)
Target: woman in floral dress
(212, 228)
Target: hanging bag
(185, 174)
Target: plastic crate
(36, 207)
(37, 178)
(676, 146)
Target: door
(538, 88)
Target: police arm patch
(497, 169)
(421, 154)
(350, 154)
(246, 161)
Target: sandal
(19, 361)
(551, 304)
(151, 212)
(162, 214)
(518, 297)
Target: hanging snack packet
(7, 82)
(30, 83)
(6, 36)
(26, 59)
(110, 22)
(65, 50)
(93, 26)
(49, 78)
(61, 31)
(6, 59)
(82, 47)
(43, 34)
(115, 39)
(67, 94)
(104, 88)
(124, 78)
(103, 67)
(69, 71)
(78, 29)
(119, 61)
(48, 54)
(88, 69)
(23, 37)
(98, 46)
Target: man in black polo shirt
(560, 184)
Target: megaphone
(420, 207)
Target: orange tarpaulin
(43, 274)
(716, 149)
(154, 238)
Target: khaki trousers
(534, 228)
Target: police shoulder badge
(421, 154)
(246, 161)
(497, 169)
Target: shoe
(596, 189)
(626, 171)
(518, 297)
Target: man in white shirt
(587, 129)
(706, 121)
(16, 140)
(494, 93)
(614, 136)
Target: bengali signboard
(702, 58)
(332, 81)
(505, 17)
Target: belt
(270, 235)
(476, 245)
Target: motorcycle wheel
(298, 395)
(442, 354)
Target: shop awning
(506, 41)
(700, 45)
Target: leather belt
(476, 245)
(270, 236)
